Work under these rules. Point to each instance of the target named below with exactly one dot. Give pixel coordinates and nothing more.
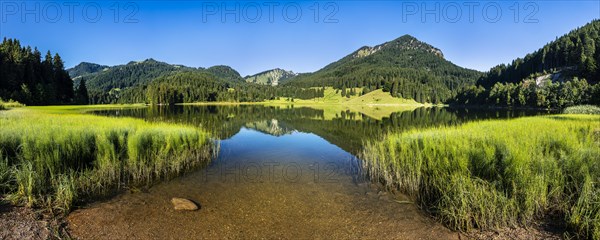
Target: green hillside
(85, 68)
(405, 67)
(122, 83)
(226, 73)
(577, 52)
(563, 73)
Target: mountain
(271, 77)
(127, 75)
(562, 73)
(225, 72)
(405, 67)
(85, 68)
(107, 84)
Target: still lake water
(281, 172)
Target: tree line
(202, 86)
(529, 94)
(563, 73)
(27, 78)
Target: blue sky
(473, 34)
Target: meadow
(498, 173)
(55, 157)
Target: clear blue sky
(193, 33)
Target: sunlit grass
(72, 109)
(333, 96)
(9, 104)
(499, 173)
(56, 160)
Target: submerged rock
(184, 204)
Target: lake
(281, 172)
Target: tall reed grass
(57, 160)
(9, 104)
(498, 173)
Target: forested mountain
(271, 77)
(226, 73)
(29, 79)
(151, 81)
(85, 68)
(203, 86)
(562, 73)
(131, 74)
(106, 85)
(405, 67)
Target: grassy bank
(499, 173)
(74, 109)
(54, 157)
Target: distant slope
(130, 74)
(405, 67)
(109, 84)
(271, 77)
(85, 68)
(184, 87)
(576, 54)
(225, 72)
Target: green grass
(582, 109)
(376, 104)
(331, 96)
(54, 157)
(73, 109)
(499, 173)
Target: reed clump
(9, 104)
(582, 109)
(498, 173)
(57, 160)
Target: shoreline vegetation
(582, 109)
(55, 157)
(498, 173)
(4, 105)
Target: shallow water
(281, 173)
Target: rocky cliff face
(271, 77)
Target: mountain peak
(403, 43)
(408, 42)
(85, 68)
(405, 37)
